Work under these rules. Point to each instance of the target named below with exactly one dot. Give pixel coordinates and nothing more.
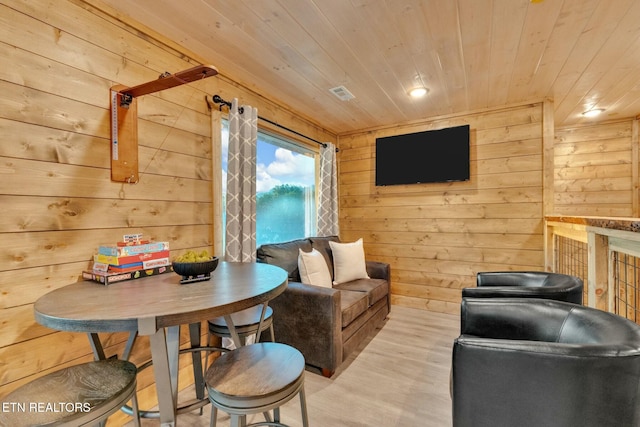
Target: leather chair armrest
(511, 318)
(309, 318)
(536, 383)
(495, 291)
(526, 284)
(537, 362)
(510, 278)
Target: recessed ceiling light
(593, 112)
(417, 92)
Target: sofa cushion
(322, 245)
(313, 268)
(284, 255)
(375, 289)
(348, 261)
(353, 304)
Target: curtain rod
(218, 100)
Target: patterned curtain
(328, 192)
(241, 184)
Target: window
(285, 188)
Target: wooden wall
(57, 203)
(438, 236)
(596, 169)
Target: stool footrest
(266, 423)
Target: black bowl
(195, 269)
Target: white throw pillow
(313, 268)
(348, 261)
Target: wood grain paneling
(470, 54)
(594, 170)
(57, 202)
(438, 236)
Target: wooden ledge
(613, 223)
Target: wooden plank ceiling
(470, 54)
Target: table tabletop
(93, 307)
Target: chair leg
(207, 353)
(214, 416)
(196, 357)
(273, 336)
(303, 408)
(238, 420)
(136, 410)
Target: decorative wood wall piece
(124, 137)
(124, 118)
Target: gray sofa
(326, 324)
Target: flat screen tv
(431, 156)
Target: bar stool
(256, 378)
(78, 395)
(246, 323)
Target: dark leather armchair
(535, 362)
(526, 284)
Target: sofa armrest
(309, 318)
(378, 270)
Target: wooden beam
(548, 137)
(168, 80)
(635, 175)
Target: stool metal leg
(238, 420)
(303, 408)
(129, 346)
(264, 311)
(136, 410)
(196, 359)
(273, 335)
(214, 416)
(232, 331)
(96, 346)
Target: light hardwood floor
(399, 378)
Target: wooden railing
(605, 253)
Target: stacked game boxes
(131, 258)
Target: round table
(156, 306)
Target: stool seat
(246, 322)
(73, 396)
(256, 378)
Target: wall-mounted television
(440, 155)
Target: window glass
(285, 188)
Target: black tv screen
(431, 156)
